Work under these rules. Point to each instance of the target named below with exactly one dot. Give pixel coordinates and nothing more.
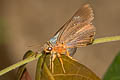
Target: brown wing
(78, 31)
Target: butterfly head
(48, 47)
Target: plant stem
(106, 39)
(96, 41)
(19, 64)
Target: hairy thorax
(59, 48)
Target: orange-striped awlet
(78, 31)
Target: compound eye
(49, 48)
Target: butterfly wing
(78, 31)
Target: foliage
(113, 72)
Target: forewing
(78, 29)
(82, 37)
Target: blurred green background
(32, 22)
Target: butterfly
(78, 31)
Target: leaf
(22, 73)
(113, 72)
(74, 70)
(39, 67)
(25, 75)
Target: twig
(96, 41)
(19, 64)
(106, 39)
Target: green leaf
(22, 73)
(41, 67)
(74, 70)
(113, 72)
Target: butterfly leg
(61, 61)
(50, 62)
(52, 58)
(68, 54)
